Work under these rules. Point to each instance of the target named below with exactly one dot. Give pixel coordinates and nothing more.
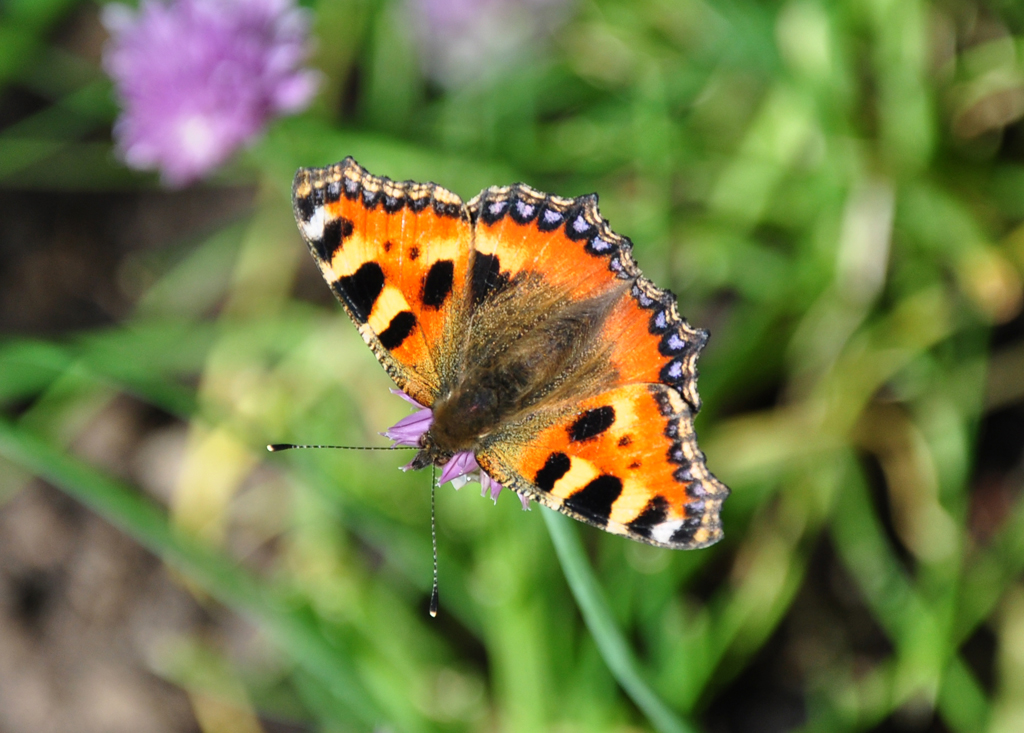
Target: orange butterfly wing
(396, 256)
(624, 459)
(518, 229)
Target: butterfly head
(451, 427)
(430, 454)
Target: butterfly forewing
(396, 256)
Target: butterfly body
(531, 356)
(521, 321)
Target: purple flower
(460, 469)
(463, 40)
(197, 79)
(461, 466)
(409, 430)
(487, 484)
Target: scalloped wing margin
(395, 254)
(558, 222)
(625, 461)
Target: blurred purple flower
(463, 40)
(197, 79)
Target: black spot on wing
(450, 209)
(305, 206)
(487, 278)
(664, 403)
(550, 218)
(695, 509)
(592, 423)
(596, 498)
(677, 455)
(493, 211)
(625, 440)
(332, 192)
(523, 212)
(398, 330)
(653, 514)
(336, 232)
(360, 290)
(672, 343)
(371, 198)
(659, 322)
(437, 285)
(577, 227)
(684, 535)
(556, 466)
(696, 490)
(616, 266)
(598, 245)
(674, 372)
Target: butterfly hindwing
(396, 256)
(625, 460)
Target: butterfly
(539, 357)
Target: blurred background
(834, 189)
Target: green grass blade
(599, 620)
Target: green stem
(599, 620)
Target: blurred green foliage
(833, 189)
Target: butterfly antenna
(433, 539)
(278, 447)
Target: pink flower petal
(407, 398)
(525, 499)
(460, 464)
(410, 430)
(489, 485)
(407, 466)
